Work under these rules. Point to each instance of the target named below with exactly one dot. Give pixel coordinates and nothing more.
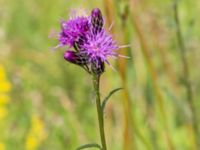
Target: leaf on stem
(109, 95)
(92, 145)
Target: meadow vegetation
(48, 104)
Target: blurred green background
(48, 104)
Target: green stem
(96, 79)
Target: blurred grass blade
(92, 145)
(107, 97)
(186, 77)
(109, 11)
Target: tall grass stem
(186, 76)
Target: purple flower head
(99, 47)
(71, 30)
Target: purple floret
(71, 30)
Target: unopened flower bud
(96, 20)
(75, 58)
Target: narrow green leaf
(109, 95)
(93, 145)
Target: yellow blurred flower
(2, 146)
(36, 135)
(5, 86)
(31, 143)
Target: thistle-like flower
(93, 46)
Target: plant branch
(96, 79)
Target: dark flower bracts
(89, 44)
